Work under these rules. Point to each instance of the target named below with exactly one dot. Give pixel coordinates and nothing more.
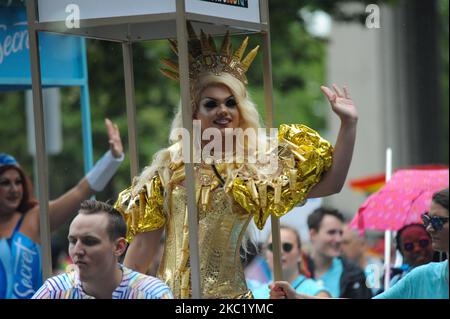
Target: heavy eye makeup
(211, 103)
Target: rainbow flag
(371, 184)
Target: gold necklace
(208, 181)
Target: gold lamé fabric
(303, 156)
(221, 228)
(224, 212)
(143, 212)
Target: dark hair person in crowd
(428, 281)
(292, 265)
(341, 277)
(96, 242)
(414, 244)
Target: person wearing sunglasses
(414, 244)
(428, 281)
(292, 265)
(341, 277)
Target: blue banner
(61, 56)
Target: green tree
(298, 71)
(443, 42)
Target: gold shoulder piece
(142, 212)
(304, 157)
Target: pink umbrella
(401, 201)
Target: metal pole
(42, 165)
(387, 233)
(127, 50)
(268, 98)
(86, 114)
(189, 167)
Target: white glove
(103, 171)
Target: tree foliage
(298, 71)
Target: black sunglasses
(436, 222)
(287, 247)
(423, 243)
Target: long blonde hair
(249, 118)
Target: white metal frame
(135, 28)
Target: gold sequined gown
(225, 211)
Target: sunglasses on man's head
(287, 247)
(436, 222)
(423, 243)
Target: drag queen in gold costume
(230, 193)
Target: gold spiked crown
(204, 57)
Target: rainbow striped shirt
(134, 285)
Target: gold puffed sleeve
(303, 156)
(142, 212)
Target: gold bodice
(221, 229)
(225, 211)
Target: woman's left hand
(341, 103)
(115, 143)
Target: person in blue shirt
(292, 265)
(428, 281)
(340, 276)
(20, 251)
